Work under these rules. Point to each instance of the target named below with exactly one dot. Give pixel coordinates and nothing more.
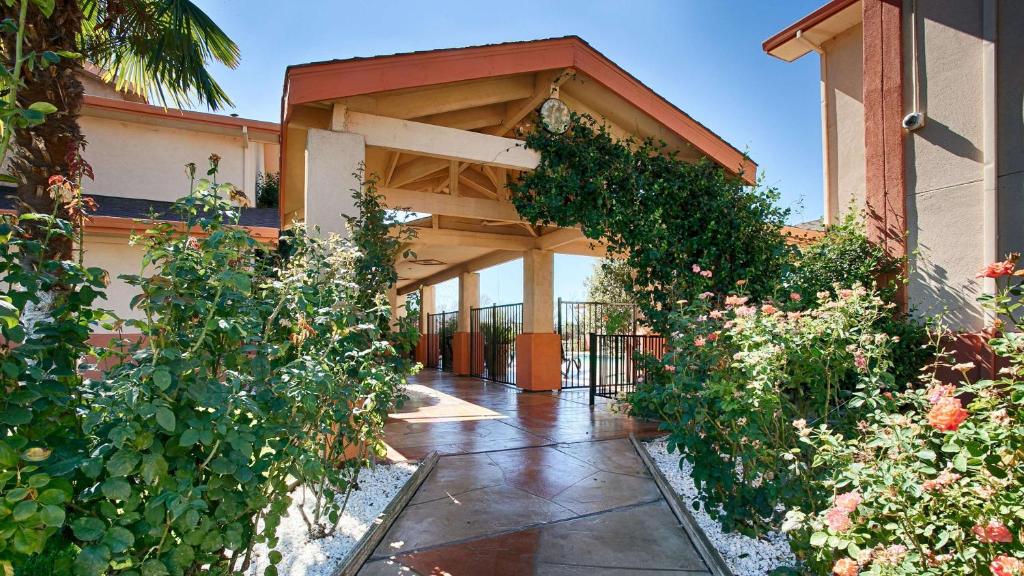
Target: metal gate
(492, 343)
(614, 369)
(440, 333)
(576, 321)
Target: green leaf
(52, 496)
(165, 418)
(43, 107)
(926, 455)
(116, 489)
(92, 561)
(153, 467)
(154, 568)
(45, 6)
(188, 438)
(15, 416)
(87, 528)
(818, 539)
(24, 510)
(960, 461)
(274, 556)
(118, 539)
(52, 516)
(122, 463)
(162, 379)
(8, 456)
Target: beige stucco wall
(139, 160)
(117, 257)
(842, 72)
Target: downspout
(825, 157)
(990, 140)
(245, 171)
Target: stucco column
(538, 348)
(332, 159)
(427, 307)
(469, 297)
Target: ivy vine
(662, 214)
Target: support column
(469, 297)
(538, 348)
(397, 303)
(332, 159)
(427, 307)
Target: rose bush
(938, 474)
(739, 374)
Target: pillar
(332, 160)
(469, 297)
(397, 304)
(538, 348)
(427, 307)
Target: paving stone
(644, 537)
(471, 515)
(607, 490)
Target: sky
(704, 56)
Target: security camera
(913, 121)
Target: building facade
(921, 107)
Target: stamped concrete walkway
(528, 484)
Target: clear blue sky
(702, 55)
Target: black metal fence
(492, 343)
(440, 333)
(576, 321)
(614, 366)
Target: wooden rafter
(544, 84)
(474, 265)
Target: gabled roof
(335, 79)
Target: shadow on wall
(934, 294)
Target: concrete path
(528, 484)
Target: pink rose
(994, 531)
(838, 520)
(848, 502)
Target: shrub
(736, 378)
(928, 486)
(250, 373)
(46, 313)
(268, 186)
(843, 256)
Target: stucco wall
(117, 257)
(844, 86)
(945, 161)
(146, 161)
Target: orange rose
(997, 269)
(947, 414)
(994, 531)
(845, 567)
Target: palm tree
(157, 48)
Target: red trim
(120, 226)
(113, 104)
(318, 82)
(813, 19)
(885, 176)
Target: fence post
(593, 367)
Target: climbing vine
(661, 213)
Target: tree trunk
(42, 151)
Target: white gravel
(304, 557)
(745, 556)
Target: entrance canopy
(440, 130)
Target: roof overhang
(334, 80)
(139, 112)
(807, 34)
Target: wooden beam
(392, 164)
(544, 84)
(468, 119)
(415, 169)
(478, 182)
(453, 178)
(441, 141)
(560, 237)
(443, 204)
(475, 265)
(444, 98)
(471, 239)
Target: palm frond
(158, 48)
